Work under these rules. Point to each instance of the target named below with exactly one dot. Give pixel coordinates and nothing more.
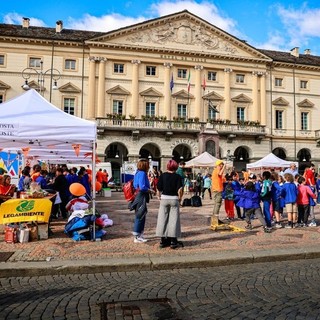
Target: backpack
(196, 201)
(186, 202)
(129, 191)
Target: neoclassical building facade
(171, 87)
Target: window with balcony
(303, 84)
(212, 112)
(182, 110)
(70, 64)
(2, 60)
(279, 119)
(278, 82)
(68, 105)
(239, 78)
(151, 70)
(150, 109)
(117, 106)
(182, 73)
(34, 62)
(304, 120)
(212, 76)
(240, 113)
(118, 68)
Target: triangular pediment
(118, 90)
(280, 102)
(213, 96)
(305, 104)
(151, 93)
(69, 88)
(242, 98)
(34, 85)
(176, 34)
(183, 94)
(4, 86)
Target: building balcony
(289, 133)
(180, 125)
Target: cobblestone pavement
(201, 245)
(279, 290)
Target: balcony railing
(299, 133)
(180, 125)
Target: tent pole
(93, 179)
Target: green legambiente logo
(25, 205)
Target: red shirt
(309, 175)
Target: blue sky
(276, 25)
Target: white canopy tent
(31, 125)
(270, 161)
(204, 160)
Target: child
(290, 192)
(207, 185)
(304, 192)
(249, 200)
(318, 189)
(266, 196)
(312, 204)
(228, 195)
(275, 194)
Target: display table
(25, 210)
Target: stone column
(91, 88)
(166, 90)
(255, 98)
(101, 88)
(198, 98)
(227, 93)
(135, 88)
(263, 99)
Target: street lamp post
(55, 75)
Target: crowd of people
(278, 199)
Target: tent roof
(29, 120)
(269, 161)
(205, 159)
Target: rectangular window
(182, 110)
(304, 120)
(279, 119)
(212, 111)
(70, 64)
(182, 73)
(150, 109)
(34, 62)
(68, 105)
(212, 76)
(117, 106)
(303, 84)
(1, 60)
(240, 114)
(1, 98)
(151, 70)
(278, 82)
(118, 68)
(239, 78)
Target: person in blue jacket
(249, 200)
(290, 193)
(276, 196)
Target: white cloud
(103, 23)
(15, 18)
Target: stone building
(171, 87)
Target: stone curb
(43, 268)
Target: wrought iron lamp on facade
(55, 75)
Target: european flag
(171, 83)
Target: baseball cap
(252, 176)
(218, 162)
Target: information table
(25, 210)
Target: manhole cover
(155, 309)
(4, 256)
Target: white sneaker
(278, 225)
(312, 224)
(140, 239)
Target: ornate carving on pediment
(241, 98)
(280, 102)
(182, 94)
(213, 96)
(118, 90)
(4, 86)
(183, 33)
(151, 92)
(69, 88)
